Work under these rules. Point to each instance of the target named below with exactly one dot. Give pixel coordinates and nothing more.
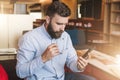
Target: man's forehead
(60, 19)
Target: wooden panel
(73, 6)
(27, 1)
(6, 8)
(94, 36)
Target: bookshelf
(115, 22)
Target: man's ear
(47, 19)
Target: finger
(81, 64)
(55, 52)
(82, 61)
(52, 45)
(80, 67)
(55, 49)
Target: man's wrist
(44, 59)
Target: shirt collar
(45, 31)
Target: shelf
(115, 23)
(90, 19)
(116, 11)
(115, 33)
(95, 31)
(115, 1)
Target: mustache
(58, 34)
(61, 31)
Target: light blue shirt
(32, 45)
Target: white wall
(12, 29)
(3, 31)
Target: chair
(78, 38)
(9, 66)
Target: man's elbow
(19, 74)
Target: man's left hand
(81, 63)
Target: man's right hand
(51, 51)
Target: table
(102, 66)
(7, 53)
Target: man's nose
(63, 27)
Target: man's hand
(51, 51)
(81, 63)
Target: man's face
(56, 26)
(54, 34)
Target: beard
(52, 33)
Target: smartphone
(86, 54)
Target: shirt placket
(52, 60)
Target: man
(44, 51)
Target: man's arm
(27, 63)
(74, 62)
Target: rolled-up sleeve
(27, 63)
(72, 56)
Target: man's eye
(59, 24)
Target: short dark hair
(59, 8)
